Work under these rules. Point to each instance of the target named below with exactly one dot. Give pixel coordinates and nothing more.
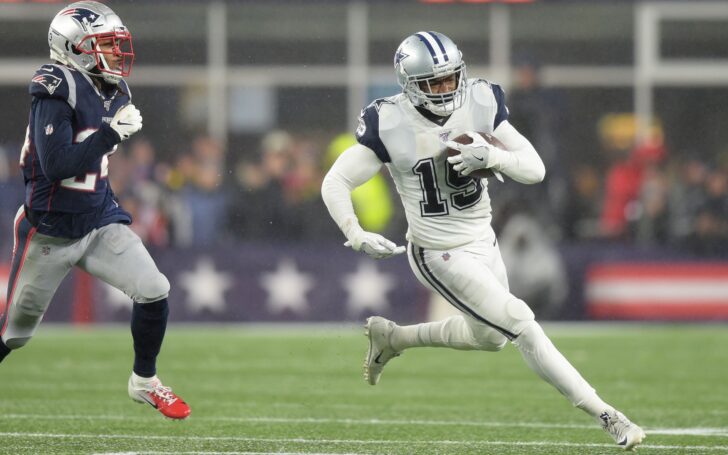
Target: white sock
(545, 360)
(140, 380)
(453, 332)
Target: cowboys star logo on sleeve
(49, 81)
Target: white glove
(373, 244)
(472, 156)
(126, 121)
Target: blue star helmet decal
(398, 57)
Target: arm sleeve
(59, 157)
(354, 167)
(519, 161)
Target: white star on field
(286, 288)
(367, 289)
(205, 287)
(115, 298)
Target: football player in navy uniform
(452, 247)
(81, 110)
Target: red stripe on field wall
(82, 311)
(4, 283)
(650, 305)
(681, 270)
(655, 310)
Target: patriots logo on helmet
(84, 16)
(49, 81)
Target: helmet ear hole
(75, 50)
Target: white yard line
(345, 441)
(314, 420)
(709, 432)
(720, 432)
(156, 452)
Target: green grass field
(299, 390)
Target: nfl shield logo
(107, 105)
(49, 129)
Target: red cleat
(151, 390)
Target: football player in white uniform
(452, 248)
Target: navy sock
(4, 350)
(148, 324)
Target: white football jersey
(443, 208)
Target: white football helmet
(424, 57)
(76, 32)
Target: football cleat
(380, 351)
(151, 391)
(625, 433)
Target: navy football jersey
(65, 155)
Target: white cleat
(380, 351)
(625, 433)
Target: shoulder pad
(367, 133)
(390, 114)
(476, 81)
(482, 91)
(486, 93)
(51, 81)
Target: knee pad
(16, 342)
(520, 315)
(25, 315)
(152, 289)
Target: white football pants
(473, 279)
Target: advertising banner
(661, 291)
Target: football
(465, 139)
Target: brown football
(465, 139)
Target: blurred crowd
(647, 194)
(638, 192)
(208, 197)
